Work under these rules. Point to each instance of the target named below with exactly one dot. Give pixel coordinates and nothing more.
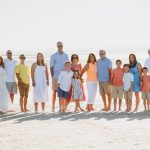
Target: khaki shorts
(11, 87)
(54, 84)
(104, 88)
(128, 94)
(23, 89)
(146, 95)
(117, 92)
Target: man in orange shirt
(117, 84)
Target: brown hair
(74, 56)
(91, 54)
(126, 65)
(135, 61)
(2, 62)
(38, 62)
(74, 74)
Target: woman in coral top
(91, 70)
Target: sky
(105, 24)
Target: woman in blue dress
(135, 69)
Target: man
(104, 67)
(147, 62)
(22, 73)
(57, 62)
(10, 65)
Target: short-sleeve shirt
(65, 79)
(145, 84)
(10, 70)
(23, 71)
(103, 67)
(127, 79)
(147, 64)
(57, 61)
(117, 77)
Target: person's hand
(33, 83)
(82, 80)
(130, 89)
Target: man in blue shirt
(57, 62)
(104, 67)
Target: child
(117, 84)
(22, 73)
(77, 93)
(64, 84)
(145, 88)
(127, 86)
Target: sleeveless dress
(40, 91)
(4, 95)
(91, 83)
(76, 90)
(79, 68)
(136, 74)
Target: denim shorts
(62, 94)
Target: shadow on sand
(70, 116)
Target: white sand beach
(75, 131)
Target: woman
(40, 82)
(135, 69)
(4, 95)
(91, 69)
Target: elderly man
(10, 65)
(104, 67)
(57, 62)
(147, 62)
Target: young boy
(145, 88)
(127, 86)
(64, 85)
(117, 84)
(22, 73)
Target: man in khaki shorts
(57, 62)
(104, 67)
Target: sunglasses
(101, 53)
(60, 46)
(22, 57)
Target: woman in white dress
(40, 82)
(4, 95)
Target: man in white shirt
(64, 85)
(10, 65)
(147, 62)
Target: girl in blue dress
(135, 69)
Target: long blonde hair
(42, 62)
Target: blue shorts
(62, 93)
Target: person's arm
(52, 62)
(131, 86)
(140, 69)
(18, 74)
(84, 70)
(59, 79)
(47, 75)
(110, 70)
(32, 74)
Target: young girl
(77, 93)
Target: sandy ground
(82, 131)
